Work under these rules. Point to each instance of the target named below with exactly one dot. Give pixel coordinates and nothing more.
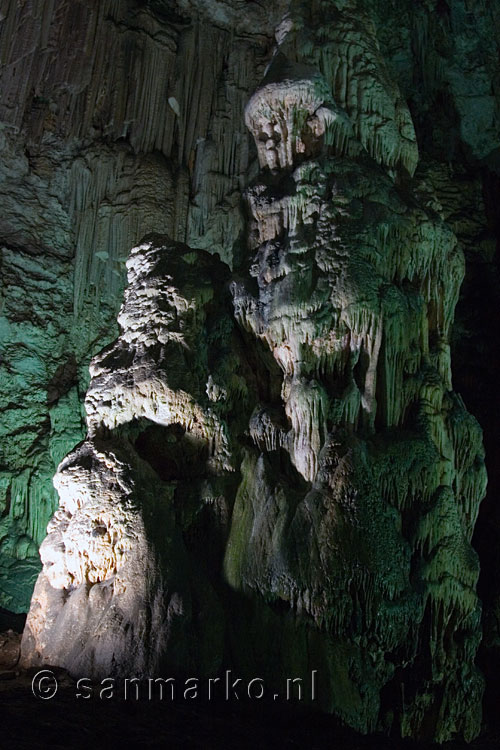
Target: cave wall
(123, 118)
(117, 118)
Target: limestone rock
(356, 290)
(93, 158)
(277, 474)
(118, 592)
(106, 590)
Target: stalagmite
(115, 594)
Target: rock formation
(117, 592)
(109, 129)
(273, 472)
(341, 474)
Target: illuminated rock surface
(275, 455)
(119, 592)
(109, 128)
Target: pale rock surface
(107, 590)
(118, 593)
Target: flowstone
(289, 485)
(356, 289)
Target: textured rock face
(109, 598)
(357, 287)
(116, 593)
(275, 455)
(110, 127)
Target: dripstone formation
(119, 593)
(277, 476)
(117, 118)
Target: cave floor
(98, 720)
(66, 721)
